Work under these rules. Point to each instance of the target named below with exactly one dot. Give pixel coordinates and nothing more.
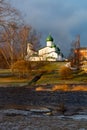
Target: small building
(51, 52)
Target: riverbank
(23, 121)
(24, 108)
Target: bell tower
(49, 41)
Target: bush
(21, 68)
(65, 73)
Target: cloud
(63, 18)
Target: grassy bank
(51, 75)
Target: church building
(51, 52)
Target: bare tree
(8, 16)
(23, 35)
(14, 34)
(34, 38)
(75, 53)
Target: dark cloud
(63, 18)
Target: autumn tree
(27, 34)
(34, 38)
(8, 16)
(14, 34)
(75, 55)
(21, 68)
(3, 62)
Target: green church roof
(49, 38)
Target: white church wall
(29, 47)
(49, 43)
(34, 58)
(46, 50)
(52, 54)
(43, 51)
(30, 51)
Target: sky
(63, 19)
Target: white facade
(30, 50)
(49, 43)
(49, 53)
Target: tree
(34, 38)
(75, 55)
(28, 34)
(23, 40)
(3, 62)
(8, 16)
(21, 68)
(14, 34)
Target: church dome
(49, 38)
(53, 46)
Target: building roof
(53, 46)
(49, 38)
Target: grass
(6, 77)
(51, 75)
(5, 71)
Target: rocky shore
(23, 108)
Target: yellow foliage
(21, 67)
(65, 73)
